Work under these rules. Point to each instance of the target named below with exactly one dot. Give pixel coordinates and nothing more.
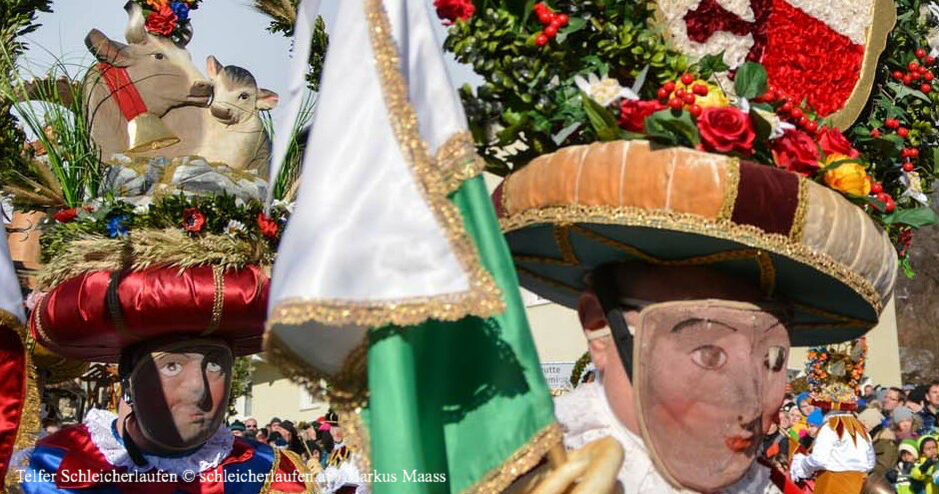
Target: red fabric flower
(193, 220)
(833, 141)
(797, 152)
(632, 114)
(66, 215)
(452, 10)
(726, 130)
(268, 226)
(162, 21)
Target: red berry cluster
(893, 124)
(683, 97)
(877, 190)
(904, 241)
(917, 71)
(788, 111)
(551, 21)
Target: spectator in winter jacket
(900, 476)
(931, 408)
(924, 472)
(883, 439)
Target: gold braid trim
(519, 463)
(797, 233)
(28, 429)
(483, 299)
(458, 160)
(731, 189)
(748, 235)
(218, 303)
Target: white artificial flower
(234, 227)
(143, 207)
(284, 204)
(604, 91)
(914, 188)
(777, 126)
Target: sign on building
(558, 375)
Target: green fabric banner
(460, 406)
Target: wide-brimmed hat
(96, 315)
(568, 212)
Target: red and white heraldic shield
(822, 51)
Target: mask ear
(106, 50)
(267, 99)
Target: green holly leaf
(672, 127)
(902, 91)
(750, 80)
(710, 65)
(916, 218)
(935, 161)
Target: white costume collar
(585, 416)
(99, 422)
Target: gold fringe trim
(458, 160)
(358, 439)
(797, 233)
(731, 189)
(348, 389)
(28, 429)
(147, 248)
(689, 223)
(519, 463)
(483, 299)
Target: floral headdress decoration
(168, 18)
(834, 373)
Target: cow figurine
(233, 133)
(150, 74)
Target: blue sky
(229, 29)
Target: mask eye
(709, 357)
(243, 96)
(213, 367)
(159, 56)
(775, 359)
(171, 369)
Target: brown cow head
(162, 71)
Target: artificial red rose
(452, 10)
(268, 226)
(633, 113)
(66, 215)
(797, 152)
(193, 220)
(162, 21)
(833, 141)
(726, 130)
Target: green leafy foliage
(529, 103)
(750, 80)
(17, 19)
(672, 127)
(283, 15)
(915, 109)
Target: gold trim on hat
(748, 235)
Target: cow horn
(136, 31)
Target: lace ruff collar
(99, 423)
